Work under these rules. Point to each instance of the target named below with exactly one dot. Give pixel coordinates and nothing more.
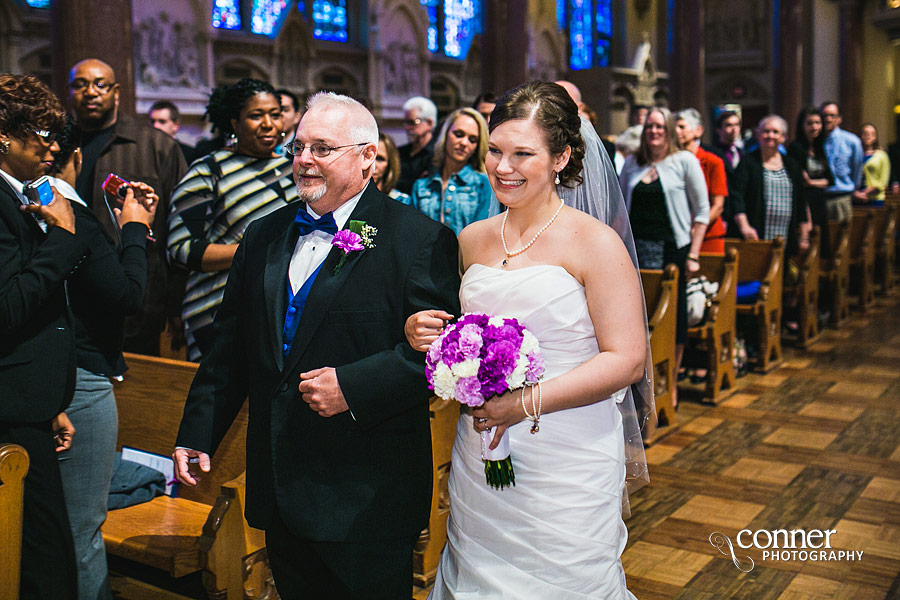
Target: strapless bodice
(546, 299)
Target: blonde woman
(458, 192)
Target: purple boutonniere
(357, 237)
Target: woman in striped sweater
(221, 194)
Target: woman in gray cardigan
(666, 196)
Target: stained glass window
(561, 14)
(452, 25)
(590, 27)
(330, 20)
(265, 15)
(226, 14)
(431, 7)
(38, 3)
(462, 21)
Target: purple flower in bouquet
(468, 391)
(470, 341)
(535, 367)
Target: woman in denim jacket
(458, 193)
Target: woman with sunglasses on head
(459, 192)
(38, 250)
(221, 194)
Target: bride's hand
(501, 413)
(424, 327)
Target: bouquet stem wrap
(498, 467)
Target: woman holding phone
(38, 250)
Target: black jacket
(37, 350)
(107, 287)
(365, 476)
(747, 197)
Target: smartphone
(116, 187)
(39, 191)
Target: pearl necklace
(533, 240)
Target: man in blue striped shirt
(845, 157)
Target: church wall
(825, 51)
(880, 86)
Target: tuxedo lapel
(328, 284)
(278, 259)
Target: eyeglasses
(48, 137)
(101, 85)
(319, 150)
(411, 122)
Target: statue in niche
(165, 53)
(401, 70)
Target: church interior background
(765, 55)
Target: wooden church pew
(763, 261)
(661, 295)
(13, 468)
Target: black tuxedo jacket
(37, 349)
(351, 477)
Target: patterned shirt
(217, 199)
(778, 195)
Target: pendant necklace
(509, 254)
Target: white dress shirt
(312, 249)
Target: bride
(569, 279)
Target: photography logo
(782, 545)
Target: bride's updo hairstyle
(555, 113)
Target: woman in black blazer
(38, 250)
(809, 152)
(768, 196)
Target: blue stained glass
(431, 8)
(601, 55)
(226, 14)
(561, 14)
(38, 3)
(330, 20)
(604, 18)
(581, 40)
(301, 6)
(462, 22)
(265, 15)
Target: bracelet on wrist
(696, 259)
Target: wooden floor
(814, 444)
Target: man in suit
(338, 441)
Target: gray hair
(691, 116)
(777, 118)
(364, 128)
(629, 140)
(427, 109)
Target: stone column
(100, 29)
(687, 70)
(850, 65)
(505, 45)
(790, 72)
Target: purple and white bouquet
(476, 358)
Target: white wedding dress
(558, 534)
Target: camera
(116, 187)
(39, 191)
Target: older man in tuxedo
(338, 442)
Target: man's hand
(425, 326)
(182, 458)
(320, 389)
(63, 432)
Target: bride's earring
(556, 181)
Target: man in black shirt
(417, 156)
(116, 143)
